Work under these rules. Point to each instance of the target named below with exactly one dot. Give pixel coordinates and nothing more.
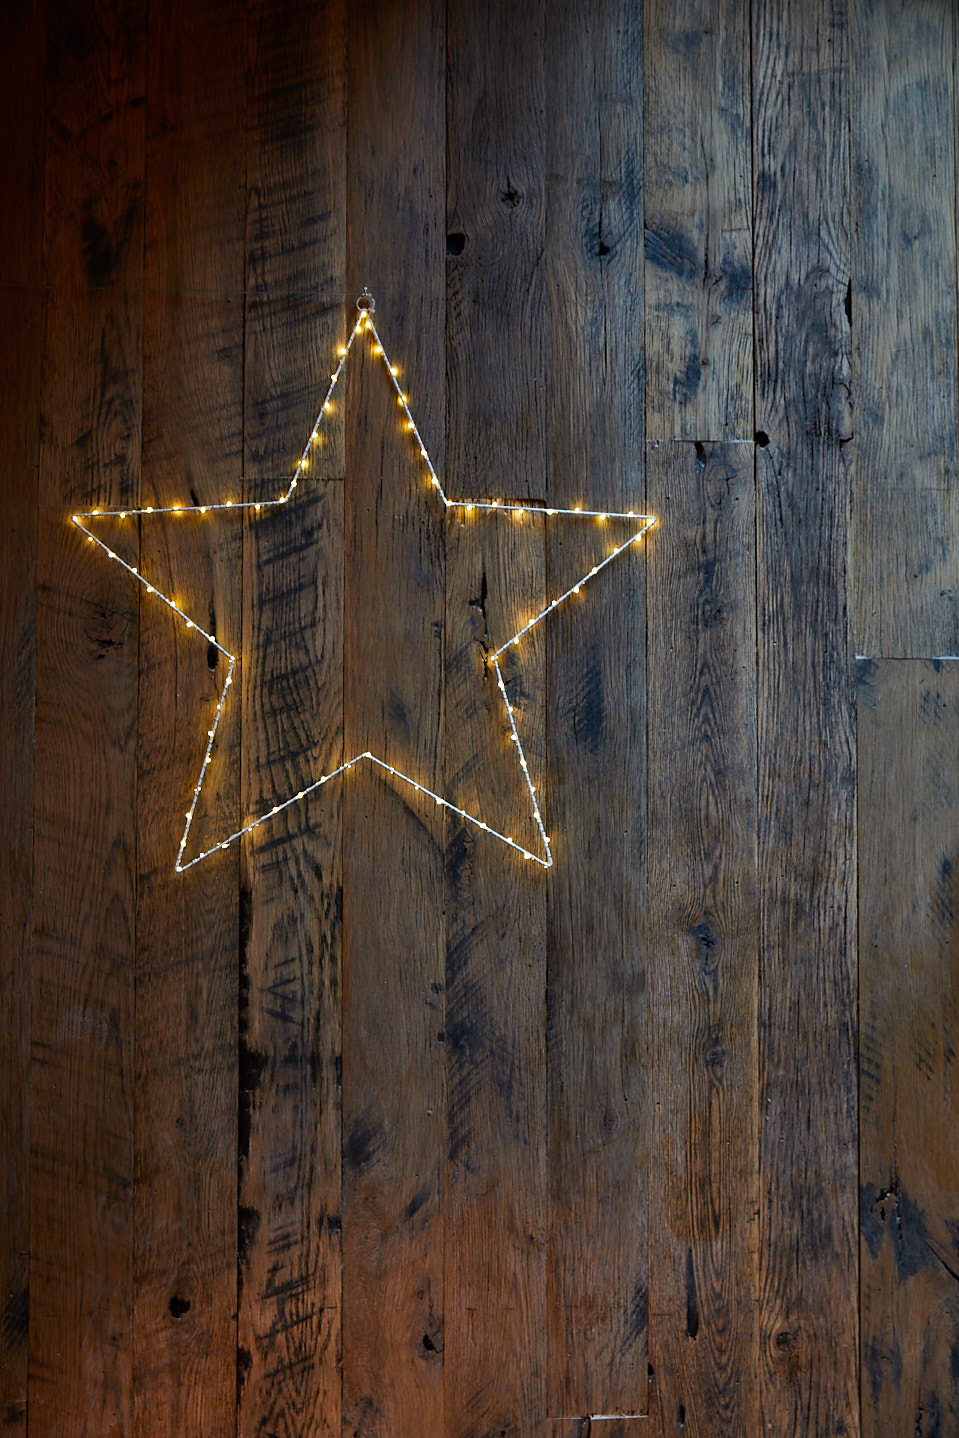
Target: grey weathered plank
(495, 1028)
(393, 1099)
(807, 856)
(698, 272)
(909, 1008)
(703, 939)
(496, 231)
(596, 973)
(902, 300)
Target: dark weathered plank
(23, 44)
(497, 1200)
(393, 1100)
(703, 939)
(495, 1029)
(807, 861)
(596, 1016)
(81, 1191)
(289, 1138)
(698, 272)
(902, 300)
(81, 1184)
(21, 323)
(909, 1012)
(187, 925)
(93, 247)
(496, 280)
(290, 973)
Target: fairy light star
(364, 326)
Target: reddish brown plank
(909, 1004)
(23, 43)
(188, 925)
(21, 323)
(703, 939)
(596, 976)
(93, 247)
(393, 1101)
(289, 1138)
(81, 1196)
(807, 859)
(902, 299)
(81, 1220)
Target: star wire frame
(364, 324)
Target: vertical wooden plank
(187, 925)
(496, 906)
(495, 1031)
(393, 1100)
(81, 1183)
(23, 42)
(21, 322)
(596, 975)
(81, 1195)
(909, 1006)
(496, 281)
(698, 272)
(902, 299)
(290, 1203)
(703, 939)
(93, 247)
(807, 861)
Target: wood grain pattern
(596, 974)
(908, 718)
(289, 1357)
(23, 40)
(21, 320)
(82, 1169)
(188, 925)
(393, 1083)
(495, 217)
(561, 1134)
(902, 297)
(698, 273)
(703, 939)
(496, 1180)
(93, 247)
(808, 1317)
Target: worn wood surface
(805, 746)
(703, 939)
(698, 273)
(596, 982)
(364, 1126)
(394, 1111)
(909, 1164)
(23, 37)
(187, 926)
(289, 1231)
(902, 295)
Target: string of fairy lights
(364, 326)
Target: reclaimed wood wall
(362, 1128)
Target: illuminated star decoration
(364, 325)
